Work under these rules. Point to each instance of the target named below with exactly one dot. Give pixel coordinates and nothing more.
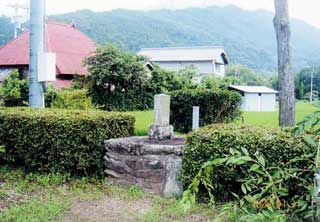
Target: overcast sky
(307, 10)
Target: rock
(157, 132)
(154, 166)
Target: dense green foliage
(72, 99)
(241, 75)
(216, 106)
(303, 83)
(248, 36)
(60, 140)
(119, 80)
(278, 148)
(14, 90)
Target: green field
(145, 118)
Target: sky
(307, 10)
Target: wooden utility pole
(286, 78)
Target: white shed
(257, 98)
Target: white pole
(195, 117)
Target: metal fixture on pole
(37, 46)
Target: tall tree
(286, 78)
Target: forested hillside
(6, 29)
(248, 36)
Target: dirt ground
(108, 209)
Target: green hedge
(72, 99)
(60, 140)
(221, 106)
(277, 146)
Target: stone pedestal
(154, 166)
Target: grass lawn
(303, 109)
(144, 118)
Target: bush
(60, 140)
(72, 99)
(14, 90)
(277, 147)
(119, 80)
(220, 106)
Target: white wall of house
(259, 102)
(204, 67)
(4, 72)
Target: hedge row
(220, 106)
(60, 140)
(277, 146)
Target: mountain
(248, 36)
(6, 30)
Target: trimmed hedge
(277, 146)
(221, 106)
(60, 140)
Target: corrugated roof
(70, 45)
(205, 53)
(253, 89)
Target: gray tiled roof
(203, 53)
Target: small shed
(257, 98)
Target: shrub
(119, 80)
(218, 106)
(50, 95)
(277, 147)
(14, 90)
(72, 99)
(60, 140)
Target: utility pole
(17, 16)
(37, 26)
(311, 87)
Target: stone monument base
(160, 132)
(154, 166)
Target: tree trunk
(286, 78)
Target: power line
(18, 16)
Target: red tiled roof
(70, 45)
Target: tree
(119, 80)
(286, 78)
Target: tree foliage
(119, 80)
(14, 90)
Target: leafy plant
(72, 99)
(265, 169)
(265, 188)
(14, 90)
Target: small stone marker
(195, 117)
(161, 128)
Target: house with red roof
(69, 44)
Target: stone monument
(161, 128)
(153, 162)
